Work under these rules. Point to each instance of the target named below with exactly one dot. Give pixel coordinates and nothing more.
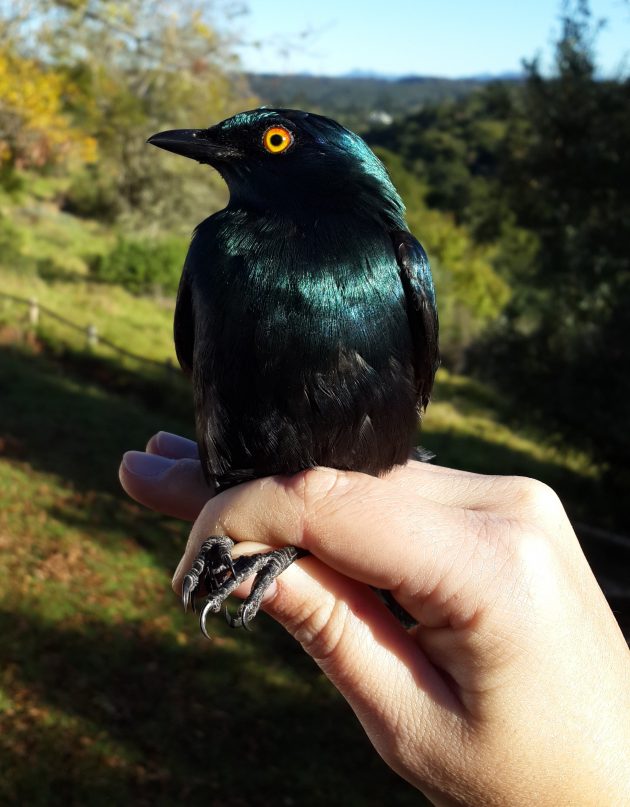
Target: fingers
(359, 645)
(360, 525)
(175, 487)
(379, 533)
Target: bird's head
(288, 160)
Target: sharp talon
(202, 619)
(186, 590)
(245, 620)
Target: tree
(135, 67)
(34, 128)
(563, 348)
(471, 294)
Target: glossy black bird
(306, 316)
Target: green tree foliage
(529, 183)
(471, 294)
(456, 148)
(562, 349)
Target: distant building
(380, 116)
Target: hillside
(359, 102)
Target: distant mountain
(357, 73)
(360, 100)
(507, 75)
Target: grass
(468, 427)
(108, 694)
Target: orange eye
(277, 139)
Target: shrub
(142, 265)
(92, 196)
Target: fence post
(33, 311)
(92, 335)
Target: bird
(306, 319)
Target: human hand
(514, 688)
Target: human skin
(513, 689)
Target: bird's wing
(184, 325)
(421, 309)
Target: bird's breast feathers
(287, 290)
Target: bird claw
(211, 606)
(188, 587)
(215, 567)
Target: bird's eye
(277, 139)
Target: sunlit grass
(463, 408)
(140, 324)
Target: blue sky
(429, 37)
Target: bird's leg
(215, 571)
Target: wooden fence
(36, 311)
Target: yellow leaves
(201, 28)
(34, 131)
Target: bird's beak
(198, 144)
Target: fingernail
(172, 445)
(149, 465)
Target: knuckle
(320, 628)
(537, 498)
(534, 568)
(318, 484)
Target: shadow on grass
(145, 720)
(59, 422)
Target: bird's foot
(210, 569)
(215, 571)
